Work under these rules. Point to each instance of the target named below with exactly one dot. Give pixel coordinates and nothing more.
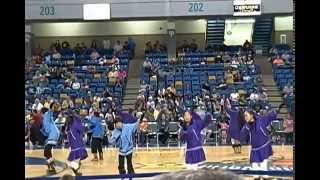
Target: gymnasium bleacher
(85, 70)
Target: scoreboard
(246, 7)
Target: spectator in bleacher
(226, 58)
(286, 57)
(78, 49)
(254, 96)
(163, 48)
(148, 48)
(247, 45)
(83, 46)
(55, 54)
(132, 47)
(122, 74)
(94, 44)
(185, 46)
(65, 45)
(37, 105)
(278, 61)
(171, 90)
(234, 96)
(156, 48)
(287, 90)
(150, 103)
(76, 85)
(114, 61)
(288, 125)
(163, 126)
(38, 51)
(140, 103)
(236, 76)
(106, 45)
(143, 131)
(125, 46)
(193, 46)
(149, 114)
(94, 55)
(44, 69)
(229, 77)
(117, 47)
(147, 66)
(263, 96)
(57, 45)
(218, 58)
(235, 62)
(246, 77)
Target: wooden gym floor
(150, 160)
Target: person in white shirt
(246, 77)
(76, 85)
(254, 96)
(94, 55)
(60, 119)
(150, 102)
(55, 53)
(106, 44)
(235, 96)
(117, 47)
(37, 105)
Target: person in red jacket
(35, 126)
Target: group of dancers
(254, 129)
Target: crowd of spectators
(84, 88)
(95, 51)
(166, 105)
(157, 47)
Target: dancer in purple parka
(75, 133)
(235, 126)
(190, 133)
(256, 129)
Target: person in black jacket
(163, 126)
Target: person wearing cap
(256, 128)
(98, 132)
(191, 127)
(52, 134)
(122, 136)
(75, 133)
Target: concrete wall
(115, 28)
(127, 9)
(283, 25)
(290, 36)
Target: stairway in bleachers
(274, 95)
(215, 31)
(262, 34)
(133, 84)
